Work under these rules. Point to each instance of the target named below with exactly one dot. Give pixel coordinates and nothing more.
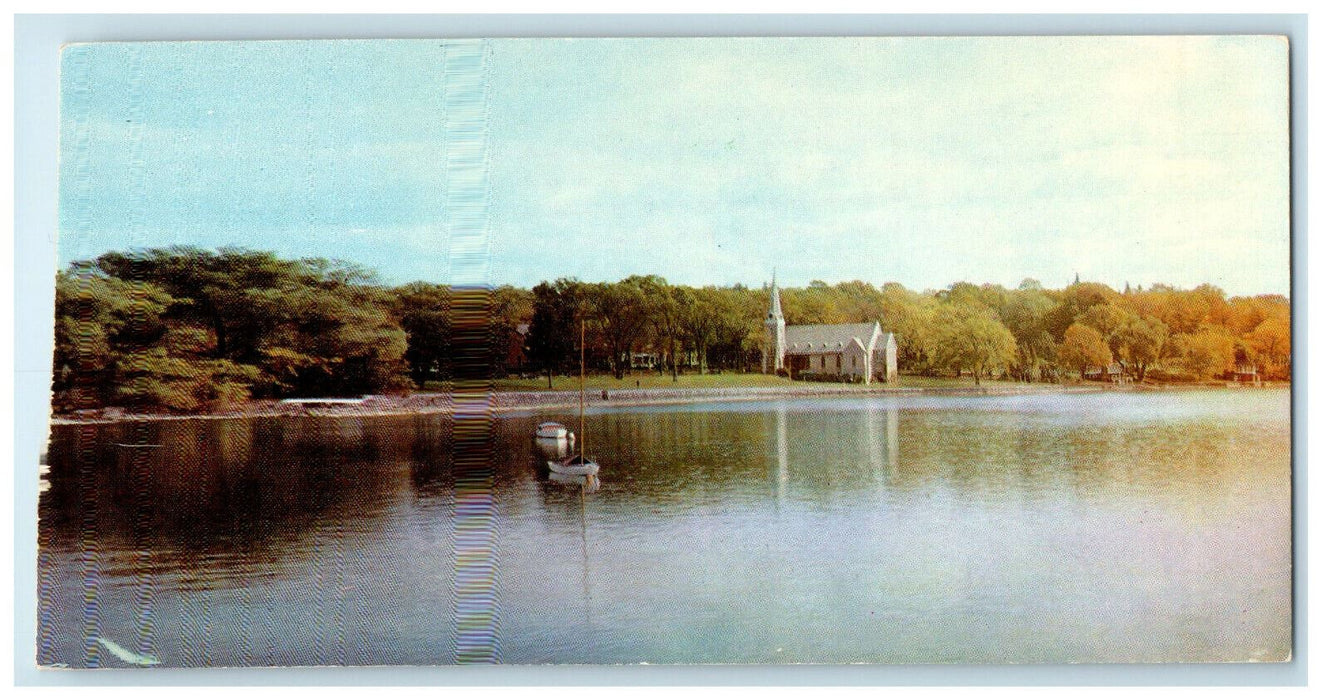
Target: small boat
(573, 465)
(577, 464)
(589, 483)
(554, 431)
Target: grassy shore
(724, 380)
(603, 390)
(644, 380)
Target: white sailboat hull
(554, 432)
(580, 469)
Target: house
(1114, 373)
(645, 360)
(857, 352)
(1246, 374)
(514, 349)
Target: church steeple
(775, 311)
(773, 356)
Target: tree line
(188, 329)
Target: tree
(116, 345)
(309, 327)
(1140, 343)
(556, 309)
(621, 311)
(1073, 301)
(424, 312)
(1206, 353)
(734, 323)
(334, 339)
(908, 315)
(1271, 344)
(98, 320)
(509, 308)
(222, 290)
(1023, 312)
(1107, 319)
(816, 304)
(663, 310)
(971, 337)
(175, 374)
(699, 321)
(1083, 347)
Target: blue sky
(922, 161)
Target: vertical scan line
(145, 635)
(319, 644)
(242, 456)
(89, 560)
(46, 600)
(344, 469)
(141, 475)
(78, 216)
(466, 121)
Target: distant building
(515, 358)
(858, 352)
(1113, 373)
(1246, 374)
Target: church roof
(802, 340)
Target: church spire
(772, 360)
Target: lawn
(920, 382)
(725, 380)
(643, 380)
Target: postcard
(670, 351)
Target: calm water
(1114, 527)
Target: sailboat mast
(581, 399)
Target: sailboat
(554, 431)
(577, 463)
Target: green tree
(1024, 312)
(971, 337)
(1073, 301)
(908, 315)
(621, 311)
(699, 321)
(509, 308)
(662, 308)
(1140, 343)
(115, 345)
(557, 308)
(1108, 319)
(424, 312)
(98, 320)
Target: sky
(923, 161)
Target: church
(848, 352)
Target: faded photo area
(670, 351)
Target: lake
(1115, 526)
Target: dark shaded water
(1113, 527)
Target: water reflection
(831, 530)
(551, 449)
(587, 484)
(780, 477)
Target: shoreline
(504, 402)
